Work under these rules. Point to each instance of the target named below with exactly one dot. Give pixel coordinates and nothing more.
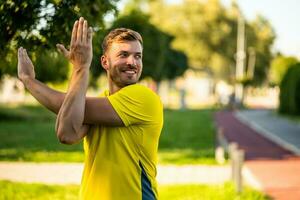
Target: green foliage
(279, 66)
(20, 191)
(260, 36)
(289, 91)
(51, 66)
(160, 61)
(17, 18)
(206, 32)
(40, 25)
(201, 30)
(176, 64)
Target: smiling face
(123, 63)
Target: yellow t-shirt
(120, 162)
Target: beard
(124, 75)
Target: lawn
(18, 191)
(28, 134)
(187, 137)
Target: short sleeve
(136, 104)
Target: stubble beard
(116, 77)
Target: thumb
(61, 48)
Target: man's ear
(104, 62)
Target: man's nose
(131, 61)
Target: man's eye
(138, 56)
(123, 55)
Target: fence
(236, 156)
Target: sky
(284, 17)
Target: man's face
(123, 62)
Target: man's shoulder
(141, 95)
(139, 90)
(137, 104)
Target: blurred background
(202, 57)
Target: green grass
(187, 137)
(206, 192)
(20, 191)
(27, 134)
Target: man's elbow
(64, 140)
(66, 137)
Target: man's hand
(81, 51)
(25, 66)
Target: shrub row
(290, 91)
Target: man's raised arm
(70, 127)
(48, 97)
(53, 99)
(75, 111)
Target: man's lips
(129, 71)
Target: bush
(289, 97)
(279, 67)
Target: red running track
(276, 169)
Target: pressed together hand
(25, 66)
(80, 53)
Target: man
(120, 130)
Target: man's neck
(112, 87)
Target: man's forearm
(70, 126)
(48, 97)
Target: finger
(74, 33)
(61, 48)
(79, 30)
(25, 53)
(20, 59)
(26, 56)
(90, 35)
(85, 29)
(19, 53)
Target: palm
(80, 53)
(25, 66)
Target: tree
(279, 67)
(160, 61)
(17, 20)
(207, 32)
(202, 31)
(260, 35)
(39, 25)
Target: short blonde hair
(119, 35)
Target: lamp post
(240, 60)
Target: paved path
(280, 130)
(70, 173)
(255, 145)
(272, 168)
